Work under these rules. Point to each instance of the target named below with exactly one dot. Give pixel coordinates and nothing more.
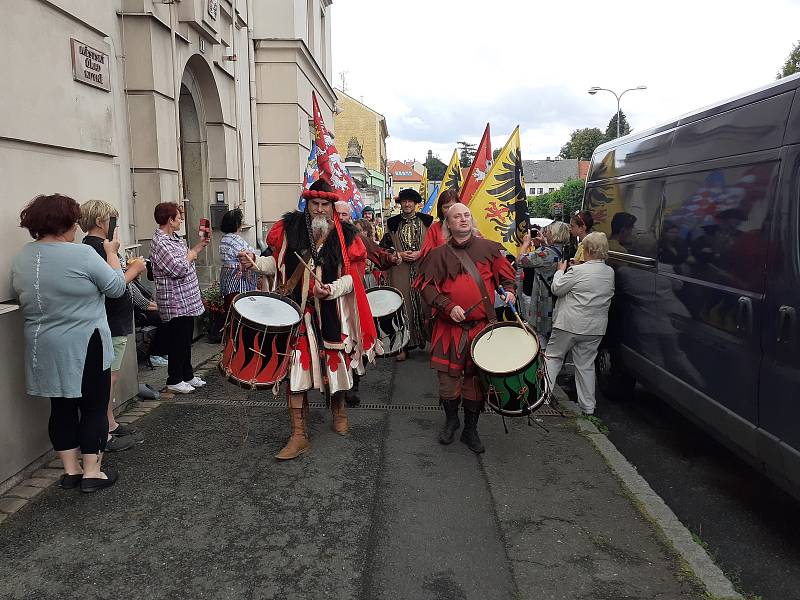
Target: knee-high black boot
(470, 433)
(451, 423)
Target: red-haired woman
(177, 294)
(62, 288)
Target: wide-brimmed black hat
(408, 194)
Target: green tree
(792, 64)
(541, 206)
(582, 143)
(624, 126)
(436, 167)
(496, 152)
(467, 151)
(570, 196)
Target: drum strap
(472, 269)
(288, 287)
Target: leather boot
(298, 441)
(339, 413)
(470, 433)
(451, 423)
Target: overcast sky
(438, 70)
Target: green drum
(510, 368)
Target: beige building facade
(138, 102)
(357, 120)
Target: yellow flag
(423, 186)
(452, 176)
(451, 180)
(499, 207)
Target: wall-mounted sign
(213, 8)
(90, 66)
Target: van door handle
(786, 323)
(744, 315)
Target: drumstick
(473, 307)
(502, 292)
(309, 269)
(252, 262)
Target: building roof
(550, 171)
(583, 169)
(403, 171)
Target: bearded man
(405, 234)
(337, 331)
(458, 280)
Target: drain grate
(545, 411)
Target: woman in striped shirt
(232, 279)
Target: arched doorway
(200, 108)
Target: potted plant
(213, 320)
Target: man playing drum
(405, 234)
(458, 280)
(337, 330)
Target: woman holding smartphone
(99, 221)
(177, 293)
(542, 254)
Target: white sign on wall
(90, 66)
(213, 8)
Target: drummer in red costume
(463, 307)
(435, 236)
(337, 330)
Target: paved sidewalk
(202, 510)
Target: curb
(717, 585)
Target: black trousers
(82, 422)
(179, 348)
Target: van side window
(628, 213)
(715, 225)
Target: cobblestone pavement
(202, 510)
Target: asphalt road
(202, 510)
(750, 527)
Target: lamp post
(594, 89)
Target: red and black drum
(259, 336)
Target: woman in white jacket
(584, 294)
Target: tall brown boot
(339, 413)
(298, 441)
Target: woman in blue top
(62, 288)
(232, 279)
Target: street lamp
(594, 89)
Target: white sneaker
(158, 361)
(181, 388)
(196, 382)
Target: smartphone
(205, 228)
(112, 225)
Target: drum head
(384, 301)
(504, 349)
(266, 310)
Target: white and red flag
(480, 167)
(331, 166)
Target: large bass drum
(510, 368)
(260, 333)
(386, 304)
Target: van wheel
(612, 380)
